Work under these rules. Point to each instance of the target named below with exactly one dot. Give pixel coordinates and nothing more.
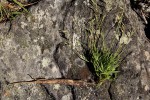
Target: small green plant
(103, 51)
(104, 56)
(101, 57)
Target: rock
(39, 46)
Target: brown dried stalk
(58, 81)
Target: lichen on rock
(41, 46)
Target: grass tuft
(9, 11)
(102, 50)
(103, 56)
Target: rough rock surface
(33, 45)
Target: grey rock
(37, 46)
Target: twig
(58, 81)
(16, 7)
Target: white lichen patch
(120, 89)
(86, 2)
(38, 16)
(57, 4)
(31, 52)
(45, 61)
(37, 25)
(145, 80)
(35, 40)
(36, 50)
(137, 65)
(23, 24)
(56, 87)
(26, 56)
(34, 89)
(125, 38)
(76, 3)
(79, 25)
(54, 69)
(28, 98)
(67, 97)
(146, 88)
(42, 38)
(147, 55)
(6, 42)
(75, 40)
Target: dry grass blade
(9, 11)
(57, 81)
